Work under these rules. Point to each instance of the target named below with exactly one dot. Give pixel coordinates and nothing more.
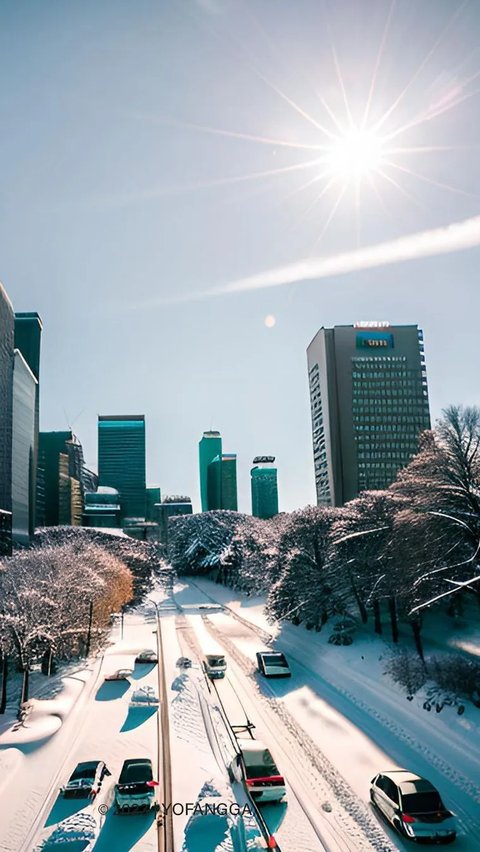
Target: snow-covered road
(358, 722)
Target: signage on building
(372, 324)
(374, 340)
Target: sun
(355, 155)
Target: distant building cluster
(369, 403)
(218, 479)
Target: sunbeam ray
(329, 218)
(431, 181)
(377, 65)
(420, 68)
(401, 189)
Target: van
(215, 665)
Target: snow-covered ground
(331, 727)
(356, 717)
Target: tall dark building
(61, 465)
(121, 460)
(210, 446)
(264, 487)
(6, 404)
(170, 507)
(24, 443)
(369, 403)
(28, 334)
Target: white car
(144, 696)
(273, 664)
(413, 806)
(262, 778)
(120, 674)
(215, 665)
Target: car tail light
(408, 818)
(267, 779)
(152, 783)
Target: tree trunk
(24, 695)
(361, 606)
(392, 608)
(377, 616)
(3, 696)
(416, 628)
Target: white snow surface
(353, 714)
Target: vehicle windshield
(136, 772)
(275, 660)
(88, 772)
(216, 661)
(422, 803)
(259, 764)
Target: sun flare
(355, 155)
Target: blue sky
(115, 202)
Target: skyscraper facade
(61, 496)
(28, 333)
(210, 447)
(229, 482)
(369, 403)
(264, 487)
(24, 440)
(6, 406)
(121, 460)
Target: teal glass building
(264, 487)
(210, 447)
(121, 460)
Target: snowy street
(331, 727)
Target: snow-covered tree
(302, 591)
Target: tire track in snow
(356, 821)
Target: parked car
(86, 779)
(215, 665)
(273, 664)
(144, 696)
(147, 656)
(119, 674)
(184, 663)
(135, 790)
(413, 806)
(262, 778)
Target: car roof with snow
(409, 782)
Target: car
(273, 664)
(215, 665)
(144, 696)
(86, 779)
(413, 806)
(119, 674)
(261, 777)
(184, 663)
(146, 656)
(135, 790)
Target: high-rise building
(121, 460)
(170, 507)
(154, 495)
(102, 508)
(369, 403)
(229, 482)
(210, 447)
(264, 487)
(6, 405)
(24, 441)
(61, 467)
(28, 334)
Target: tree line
(57, 597)
(386, 556)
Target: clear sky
(117, 198)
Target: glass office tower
(264, 487)
(121, 460)
(6, 403)
(369, 403)
(210, 447)
(25, 420)
(28, 334)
